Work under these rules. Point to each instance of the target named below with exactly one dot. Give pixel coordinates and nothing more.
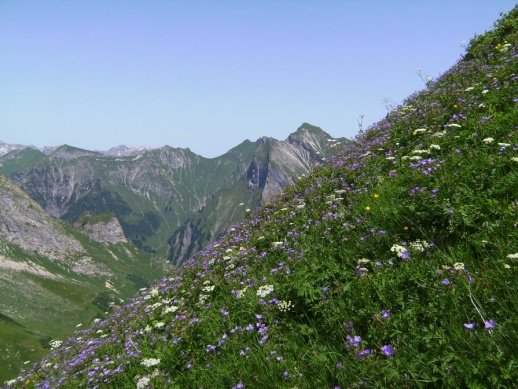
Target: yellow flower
(367, 209)
(376, 196)
(405, 228)
(454, 105)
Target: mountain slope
(53, 277)
(392, 265)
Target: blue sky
(209, 74)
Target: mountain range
(168, 200)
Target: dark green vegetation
(168, 201)
(393, 265)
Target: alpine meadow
(392, 265)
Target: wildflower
(389, 351)
(399, 250)
(363, 353)
(367, 209)
(353, 341)
(507, 266)
(363, 261)
(454, 125)
(469, 326)
(284, 306)
(385, 313)
(435, 147)
(376, 196)
(489, 324)
(514, 159)
(487, 140)
(264, 290)
(149, 362)
(405, 228)
(143, 382)
(445, 281)
(458, 266)
(513, 256)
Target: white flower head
(150, 362)
(264, 290)
(458, 266)
(488, 140)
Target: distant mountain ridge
(167, 200)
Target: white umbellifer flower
(488, 140)
(435, 147)
(363, 260)
(420, 130)
(507, 266)
(208, 288)
(440, 134)
(420, 152)
(170, 309)
(155, 305)
(284, 306)
(149, 362)
(277, 244)
(419, 245)
(55, 344)
(513, 256)
(153, 292)
(504, 144)
(159, 325)
(390, 158)
(143, 382)
(264, 290)
(399, 250)
(454, 125)
(468, 89)
(240, 293)
(458, 266)
(415, 158)
(514, 159)
(484, 91)
(97, 320)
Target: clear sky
(209, 74)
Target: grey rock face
(106, 232)
(26, 224)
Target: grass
(392, 265)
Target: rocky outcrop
(24, 223)
(109, 231)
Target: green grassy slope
(19, 159)
(393, 265)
